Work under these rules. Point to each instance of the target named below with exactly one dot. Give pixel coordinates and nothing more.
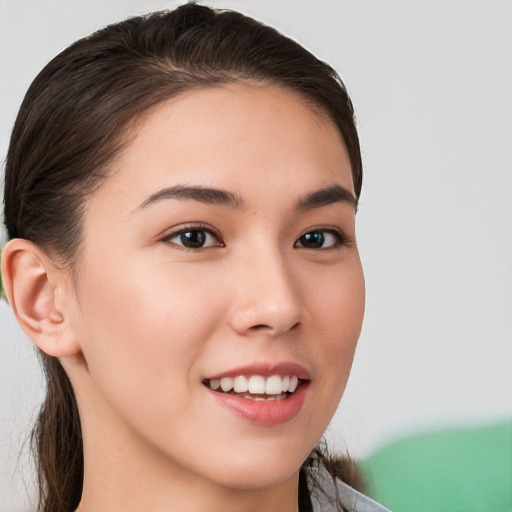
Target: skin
(148, 319)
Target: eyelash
(188, 229)
(340, 239)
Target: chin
(260, 467)
(257, 476)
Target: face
(221, 252)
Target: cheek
(142, 333)
(337, 320)
(141, 328)
(143, 305)
(339, 301)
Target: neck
(133, 485)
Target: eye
(194, 238)
(320, 239)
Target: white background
(432, 85)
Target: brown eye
(320, 239)
(192, 238)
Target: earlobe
(35, 294)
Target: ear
(36, 290)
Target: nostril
(259, 327)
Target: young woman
(180, 199)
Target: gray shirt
(324, 499)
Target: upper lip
(266, 369)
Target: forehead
(245, 138)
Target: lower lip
(260, 412)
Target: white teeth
(256, 384)
(226, 384)
(269, 398)
(241, 384)
(274, 385)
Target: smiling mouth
(256, 387)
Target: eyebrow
(327, 196)
(197, 193)
(220, 197)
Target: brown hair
(73, 122)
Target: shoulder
(325, 499)
(357, 502)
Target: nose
(267, 297)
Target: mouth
(256, 387)
(262, 393)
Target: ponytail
(57, 442)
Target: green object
(454, 471)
